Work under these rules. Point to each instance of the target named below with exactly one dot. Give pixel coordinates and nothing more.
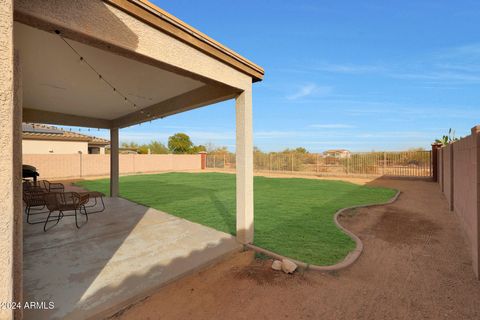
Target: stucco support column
(244, 151)
(114, 163)
(10, 167)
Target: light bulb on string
(100, 76)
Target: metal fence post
(316, 163)
(214, 162)
(224, 161)
(81, 164)
(384, 162)
(292, 162)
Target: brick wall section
(460, 164)
(59, 166)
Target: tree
(180, 143)
(134, 146)
(217, 150)
(143, 149)
(197, 149)
(301, 150)
(257, 150)
(131, 145)
(156, 147)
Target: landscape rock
(277, 265)
(288, 266)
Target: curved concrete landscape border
(351, 256)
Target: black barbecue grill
(29, 172)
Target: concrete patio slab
(119, 256)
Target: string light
(82, 59)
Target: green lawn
(293, 217)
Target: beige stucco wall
(58, 166)
(10, 169)
(57, 147)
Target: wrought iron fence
(400, 163)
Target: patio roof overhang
(162, 65)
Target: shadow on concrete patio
(118, 257)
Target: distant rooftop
(336, 150)
(37, 131)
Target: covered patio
(109, 64)
(122, 255)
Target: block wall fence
(458, 174)
(70, 166)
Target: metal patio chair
(51, 186)
(34, 199)
(65, 201)
(94, 195)
(45, 185)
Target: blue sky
(361, 75)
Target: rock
(277, 265)
(288, 266)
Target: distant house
(43, 139)
(337, 153)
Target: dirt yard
(415, 265)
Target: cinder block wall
(60, 166)
(459, 169)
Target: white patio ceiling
(56, 80)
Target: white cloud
(310, 89)
(332, 126)
(439, 76)
(349, 68)
(278, 134)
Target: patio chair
(65, 201)
(34, 199)
(95, 195)
(52, 186)
(45, 185)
